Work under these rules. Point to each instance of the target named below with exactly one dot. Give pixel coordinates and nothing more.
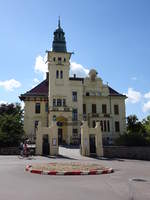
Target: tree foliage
(146, 124)
(136, 134)
(11, 124)
(134, 125)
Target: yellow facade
(70, 100)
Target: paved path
(17, 184)
(73, 153)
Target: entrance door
(45, 145)
(92, 144)
(60, 138)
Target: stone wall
(139, 153)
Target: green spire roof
(59, 42)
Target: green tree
(134, 125)
(11, 124)
(146, 124)
(135, 135)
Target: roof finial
(59, 22)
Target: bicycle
(29, 153)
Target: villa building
(70, 100)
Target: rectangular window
(94, 124)
(117, 126)
(116, 109)
(101, 124)
(105, 128)
(93, 108)
(75, 132)
(108, 126)
(59, 102)
(46, 107)
(61, 74)
(74, 115)
(37, 108)
(84, 108)
(74, 96)
(87, 94)
(54, 102)
(64, 102)
(57, 74)
(104, 108)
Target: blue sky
(112, 36)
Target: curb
(90, 172)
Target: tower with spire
(59, 42)
(58, 61)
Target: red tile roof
(113, 92)
(40, 90)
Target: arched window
(61, 74)
(57, 74)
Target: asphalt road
(17, 184)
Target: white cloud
(40, 66)
(134, 78)
(146, 106)
(78, 69)
(35, 80)
(3, 102)
(10, 84)
(75, 68)
(22, 104)
(147, 95)
(133, 96)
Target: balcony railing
(95, 115)
(61, 108)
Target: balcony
(61, 109)
(106, 115)
(95, 115)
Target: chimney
(47, 75)
(74, 75)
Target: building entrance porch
(61, 122)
